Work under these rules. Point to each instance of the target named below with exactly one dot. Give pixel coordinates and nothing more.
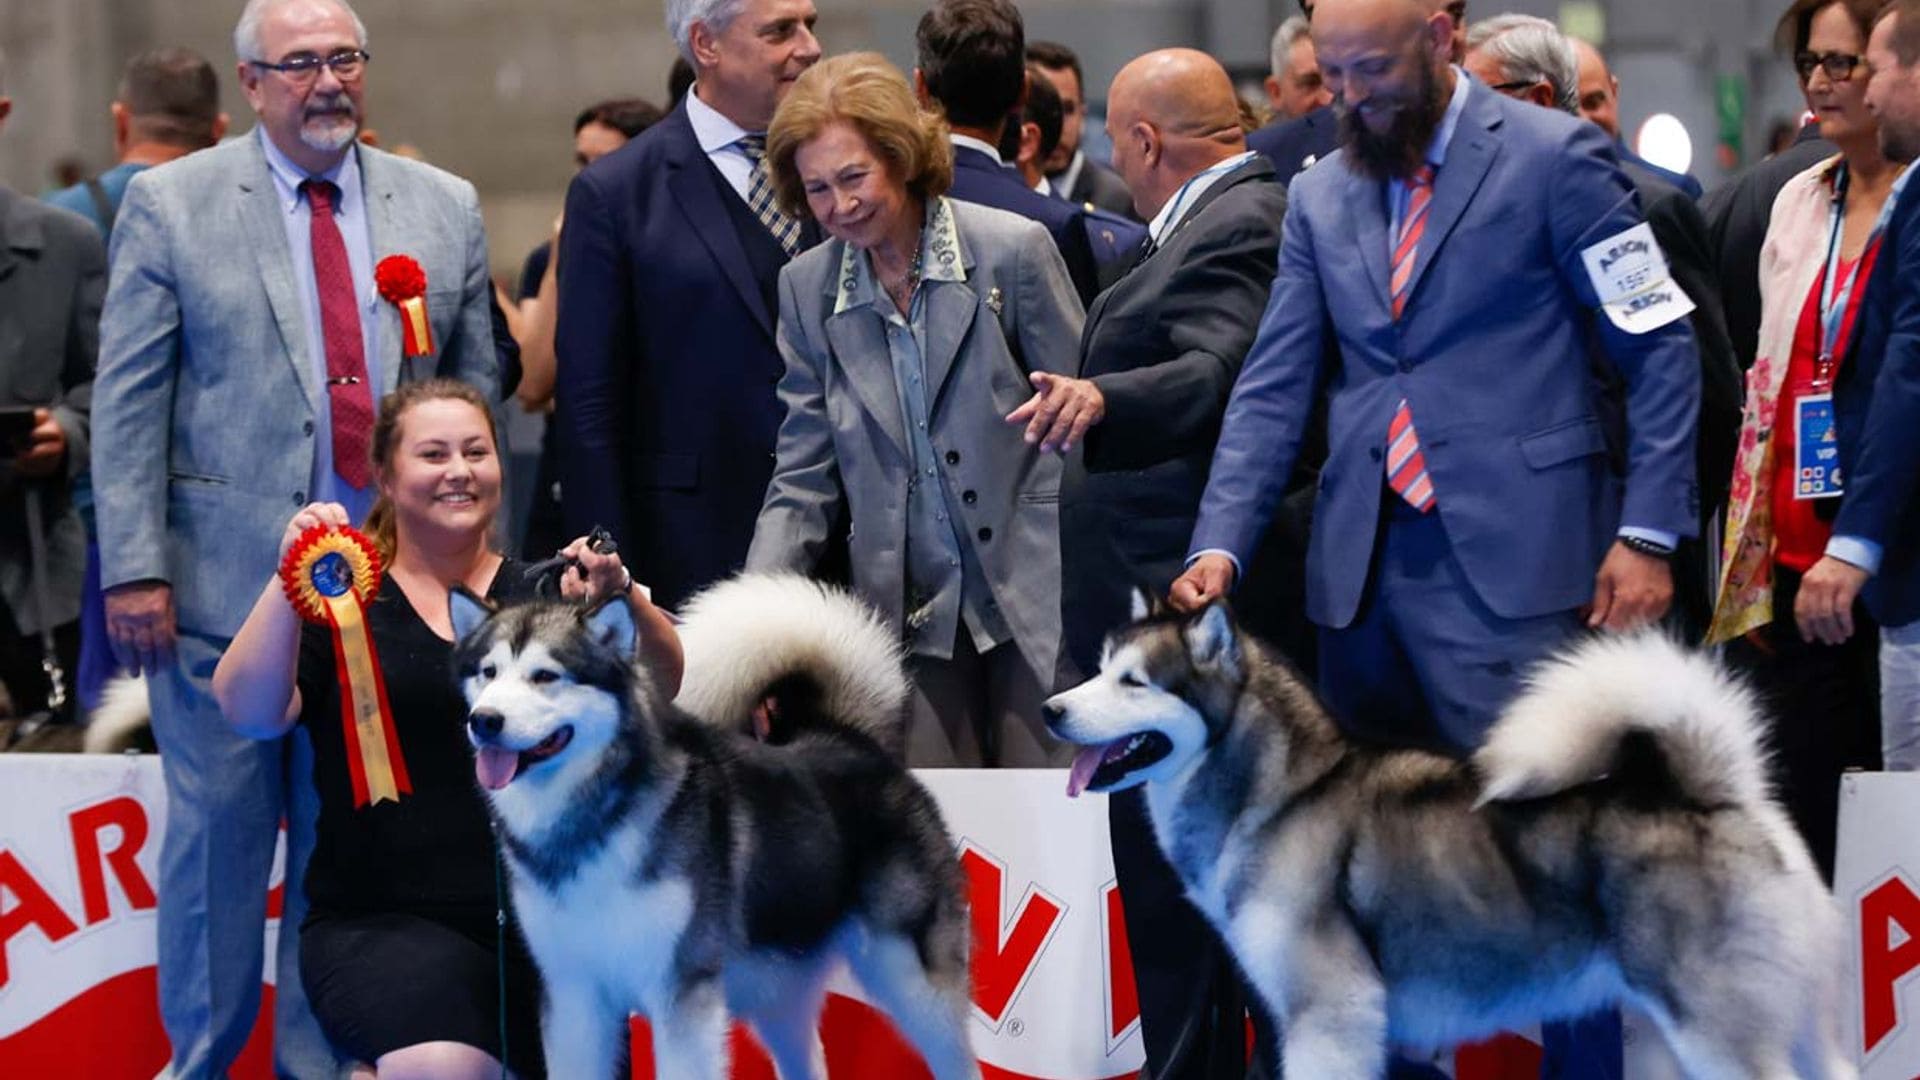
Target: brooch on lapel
(404, 284)
(994, 301)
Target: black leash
(547, 574)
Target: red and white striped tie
(1406, 465)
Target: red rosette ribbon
(330, 575)
(404, 285)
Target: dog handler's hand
(311, 516)
(1207, 580)
(1630, 591)
(606, 575)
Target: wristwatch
(1647, 547)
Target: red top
(1799, 536)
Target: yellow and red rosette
(404, 284)
(330, 576)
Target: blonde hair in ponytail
(380, 524)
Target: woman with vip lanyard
(401, 954)
(1821, 247)
(908, 338)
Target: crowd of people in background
(1430, 374)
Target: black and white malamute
(1613, 841)
(671, 866)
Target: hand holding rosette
(331, 572)
(404, 285)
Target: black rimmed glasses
(1838, 66)
(304, 67)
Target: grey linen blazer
(53, 272)
(206, 402)
(843, 445)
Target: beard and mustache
(1402, 148)
(330, 122)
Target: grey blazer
(843, 444)
(206, 403)
(53, 272)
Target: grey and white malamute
(1614, 841)
(673, 867)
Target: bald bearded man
(1158, 359)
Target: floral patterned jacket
(1790, 262)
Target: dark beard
(1403, 149)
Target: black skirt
(380, 982)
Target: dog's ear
(1212, 637)
(469, 610)
(1147, 603)
(612, 625)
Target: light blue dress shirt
(352, 219)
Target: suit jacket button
(1406, 365)
(306, 428)
(969, 497)
(953, 457)
(985, 534)
(1374, 453)
(299, 498)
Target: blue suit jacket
(665, 398)
(977, 178)
(1293, 145)
(1876, 402)
(1492, 353)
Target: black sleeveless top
(432, 852)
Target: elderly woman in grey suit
(909, 337)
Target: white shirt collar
(1190, 193)
(711, 129)
(981, 145)
(287, 176)
(1043, 186)
(1064, 180)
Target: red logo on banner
(24, 902)
(1004, 952)
(1883, 964)
(1123, 997)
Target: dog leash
(547, 574)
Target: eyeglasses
(1838, 66)
(303, 68)
(1516, 86)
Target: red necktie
(1406, 465)
(349, 398)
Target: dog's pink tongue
(494, 767)
(1084, 764)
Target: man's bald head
(1183, 92)
(1171, 113)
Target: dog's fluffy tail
(755, 635)
(120, 721)
(1578, 710)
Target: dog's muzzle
(486, 723)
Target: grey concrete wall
(488, 88)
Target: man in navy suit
(1600, 102)
(1875, 550)
(1441, 303)
(973, 65)
(668, 261)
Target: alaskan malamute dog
(1613, 841)
(670, 866)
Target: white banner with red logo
(1053, 996)
(1877, 878)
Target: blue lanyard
(1836, 295)
(1175, 207)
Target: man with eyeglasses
(244, 350)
